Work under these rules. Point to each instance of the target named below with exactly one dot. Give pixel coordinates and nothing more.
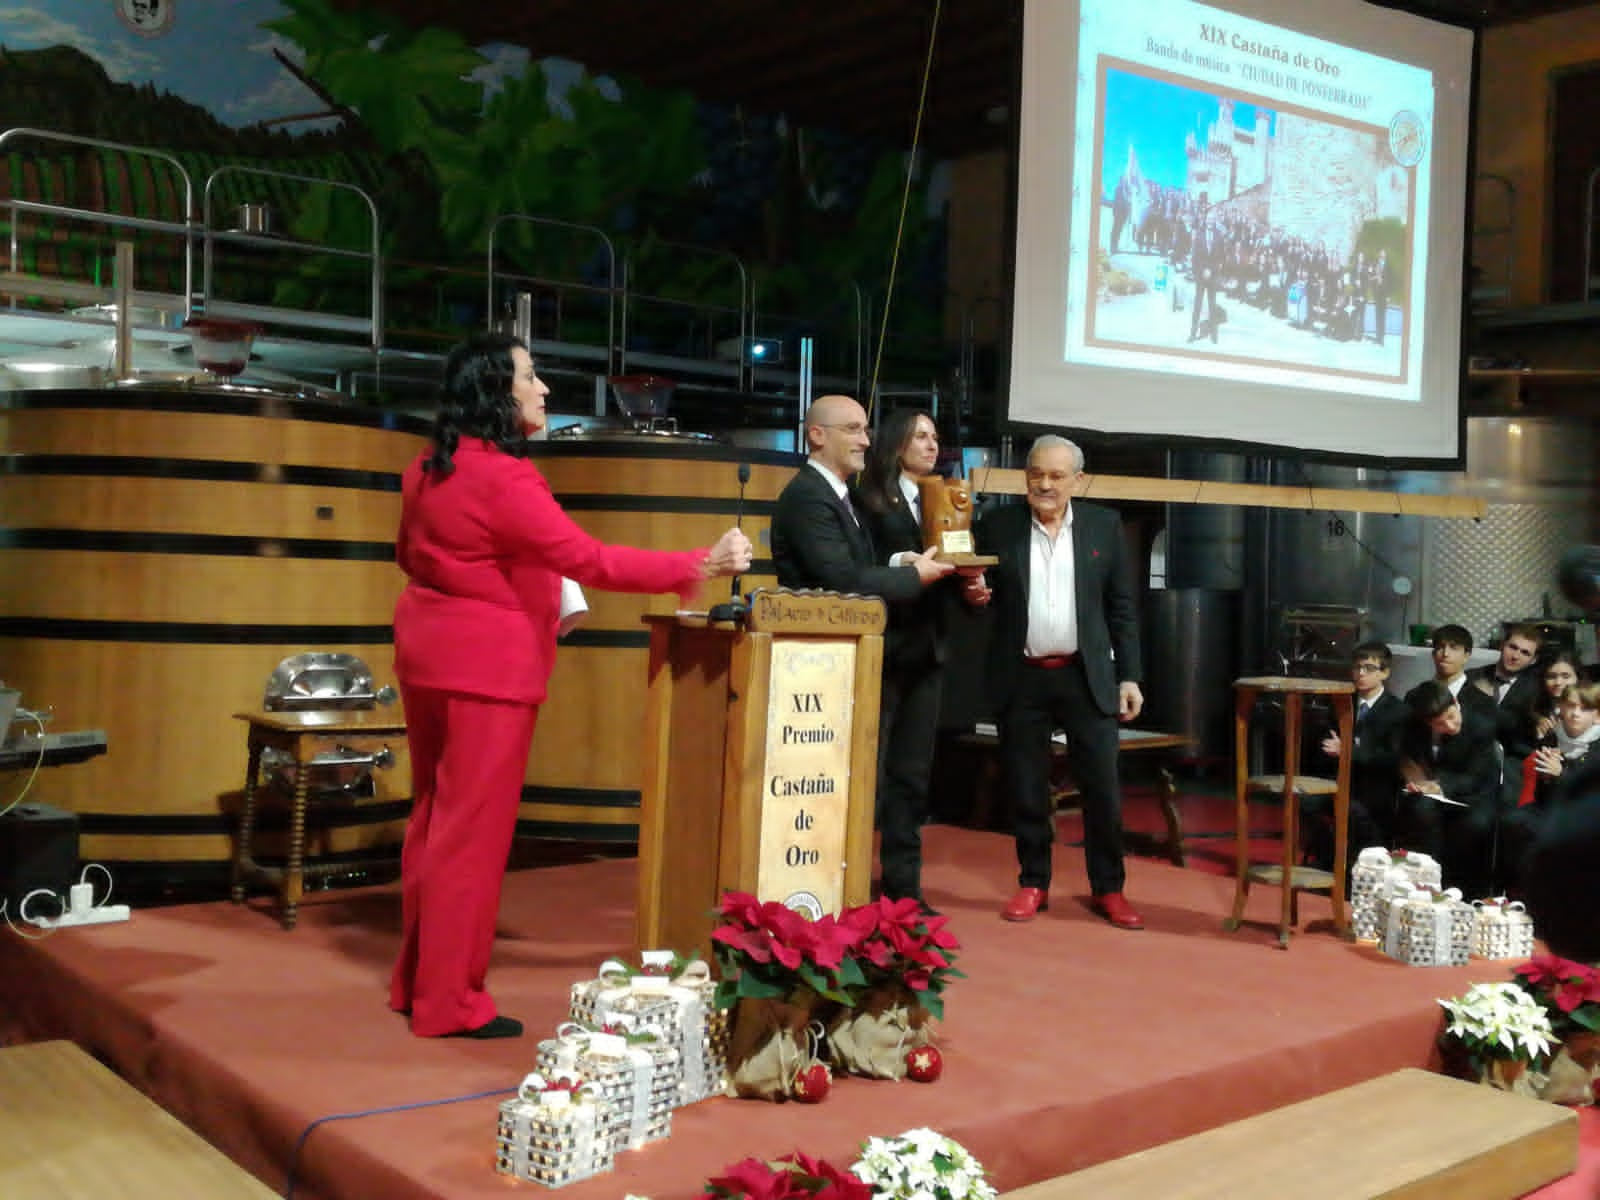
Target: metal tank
(1538, 477)
(1191, 625)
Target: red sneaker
(1027, 904)
(1114, 907)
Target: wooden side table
(303, 735)
(1157, 748)
(1291, 785)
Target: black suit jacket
(1514, 713)
(916, 627)
(1108, 617)
(1474, 699)
(1375, 751)
(1468, 768)
(816, 543)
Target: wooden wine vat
(161, 551)
(664, 493)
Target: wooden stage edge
(1410, 1134)
(75, 1131)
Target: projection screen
(1243, 224)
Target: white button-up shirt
(1052, 595)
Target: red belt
(1051, 662)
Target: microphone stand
(735, 609)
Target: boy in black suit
(1449, 801)
(1374, 762)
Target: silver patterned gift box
(1429, 928)
(1374, 867)
(1503, 929)
(554, 1134)
(672, 997)
(637, 1077)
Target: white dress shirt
(1052, 595)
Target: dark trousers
(908, 718)
(1205, 292)
(1462, 839)
(1043, 701)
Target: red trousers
(468, 759)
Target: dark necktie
(1362, 710)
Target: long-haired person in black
(906, 449)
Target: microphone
(735, 608)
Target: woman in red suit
(484, 546)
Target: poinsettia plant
(1499, 1022)
(1568, 990)
(765, 950)
(899, 941)
(921, 1164)
(796, 1176)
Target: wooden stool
(1291, 785)
(304, 735)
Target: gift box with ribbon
(671, 997)
(636, 1075)
(1374, 867)
(1503, 929)
(1428, 928)
(555, 1131)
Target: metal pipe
(122, 293)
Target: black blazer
(915, 640)
(816, 543)
(1375, 751)
(1513, 714)
(1108, 616)
(1468, 767)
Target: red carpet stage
(1070, 1043)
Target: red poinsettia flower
(837, 1184)
(752, 1179)
(1570, 991)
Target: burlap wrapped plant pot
(770, 1043)
(875, 1037)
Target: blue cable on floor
(294, 1159)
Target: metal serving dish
(319, 681)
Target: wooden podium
(760, 761)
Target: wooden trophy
(947, 521)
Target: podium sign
(806, 783)
(761, 750)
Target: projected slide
(1245, 214)
(1250, 208)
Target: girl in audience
(1560, 673)
(1575, 732)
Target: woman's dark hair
(1544, 704)
(475, 400)
(880, 478)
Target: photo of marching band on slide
(1230, 229)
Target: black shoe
(496, 1027)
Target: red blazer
(484, 549)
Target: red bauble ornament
(811, 1086)
(924, 1064)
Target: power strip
(106, 914)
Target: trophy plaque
(947, 521)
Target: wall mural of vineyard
(447, 136)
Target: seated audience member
(1513, 684)
(1560, 883)
(1576, 731)
(1380, 716)
(1452, 646)
(1558, 674)
(1449, 801)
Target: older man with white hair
(1064, 655)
